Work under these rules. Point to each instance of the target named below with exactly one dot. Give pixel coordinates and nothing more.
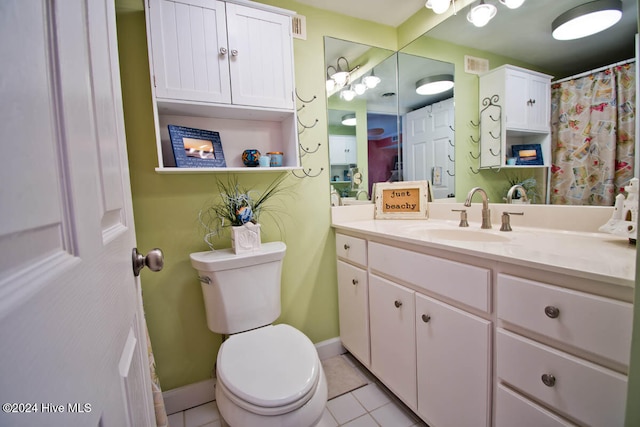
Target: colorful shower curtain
(593, 136)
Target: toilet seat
(270, 370)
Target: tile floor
(369, 406)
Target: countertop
(589, 255)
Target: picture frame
(196, 148)
(528, 154)
(402, 200)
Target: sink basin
(465, 235)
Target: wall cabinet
(515, 109)
(225, 66)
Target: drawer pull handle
(426, 318)
(398, 303)
(551, 311)
(548, 380)
(346, 247)
(354, 281)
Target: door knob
(154, 260)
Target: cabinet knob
(223, 51)
(548, 380)
(398, 303)
(346, 247)
(354, 281)
(426, 318)
(551, 311)
(234, 52)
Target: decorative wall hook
(307, 173)
(475, 172)
(305, 101)
(450, 174)
(475, 157)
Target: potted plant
(239, 209)
(529, 184)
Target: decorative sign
(402, 200)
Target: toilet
(267, 375)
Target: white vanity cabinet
(342, 149)
(567, 349)
(224, 66)
(515, 109)
(353, 296)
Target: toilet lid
(271, 366)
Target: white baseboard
(196, 394)
(189, 396)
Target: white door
(73, 347)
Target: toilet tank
(241, 291)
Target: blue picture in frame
(528, 154)
(196, 148)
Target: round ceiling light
(434, 84)
(512, 4)
(438, 6)
(586, 19)
(349, 119)
(481, 14)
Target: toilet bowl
(270, 376)
(267, 375)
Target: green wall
(166, 207)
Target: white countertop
(590, 255)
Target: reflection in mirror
(373, 148)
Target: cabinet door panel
(453, 360)
(353, 302)
(186, 37)
(513, 409)
(393, 351)
(261, 57)
(517, 93)
(539, 111)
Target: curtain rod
(586, 73)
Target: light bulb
(359, 88)
(331, 85)
(371, 81)
(481, 14)
(512, 4)
(438, 6)
(347, 94)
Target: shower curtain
(593, 136)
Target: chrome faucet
(519, 188)
(362, 191)
(486, 213)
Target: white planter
(245, 238)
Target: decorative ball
(250, 157)
(244, 214)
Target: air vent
(299, 26)
(474, 65)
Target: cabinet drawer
(513, 409)
(460, 282)
(586, 392)
(599, 325)
(353, 308)
(352, 249)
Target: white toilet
(267, 375)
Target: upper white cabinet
(515, 110)
(342, 149)
(224, 66)
(213, 51)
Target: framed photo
(401, 200)
(528, 154)
(196, 148)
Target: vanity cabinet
(515, 110)
(225, 66)
(568, 350)
(353, 296)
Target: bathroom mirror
(522, 36)
(368, 145)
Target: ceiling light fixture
(586, 19)
(349, 119)
(434, 84)
(512, 4)
(481, 14)
(438, 6)
(339, 75)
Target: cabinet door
(453, 365)
(393, 339)
(539, 111)
(261, 57)
(186, 38)
(517, 99)
(342, 149)
(353, 307)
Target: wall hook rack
(303, 151)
